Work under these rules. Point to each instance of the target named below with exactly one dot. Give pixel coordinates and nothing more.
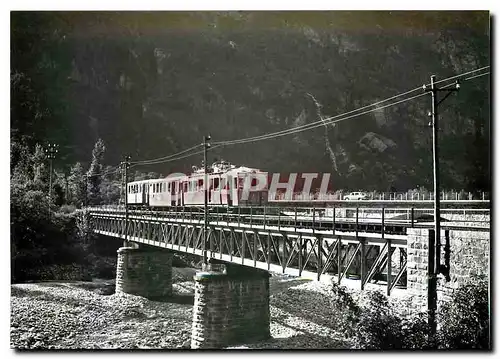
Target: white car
(356, 196)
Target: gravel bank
(83, 315)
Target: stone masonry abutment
(469, 255)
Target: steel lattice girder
(257, 247)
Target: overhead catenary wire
(114, 169)
(461, 75)
(173, 159)
(331, 120)
(323, 122)
(167, 157)
(473, 77)
(467, 79)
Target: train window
(169, 186)
(216, 183)
(235, 182)
(200, 183)
(185, 186)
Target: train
(228, 186)
(225, 188)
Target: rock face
(238, 77)
(373, 141)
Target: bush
(67, 209)
(346, 310)
(464, 322)
(380, 327)
(178, 261)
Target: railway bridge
(372, 243)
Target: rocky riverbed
(88, 315)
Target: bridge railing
(313, 217)
(412, 195)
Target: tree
(77, 185)
(94, 174)
(40, 171)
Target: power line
(473, 77)
(172, 159)
(274, 135)
(324, 121)
(309, 126)
(111, 171)
(457, 76)
(167, 157)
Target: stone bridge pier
(231, 302)
(231, 306)
(144, 271)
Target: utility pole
(206, 146)
(435, 243)
(51, 152)
(126, 165)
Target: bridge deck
(296, 243)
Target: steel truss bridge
(365, 243)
